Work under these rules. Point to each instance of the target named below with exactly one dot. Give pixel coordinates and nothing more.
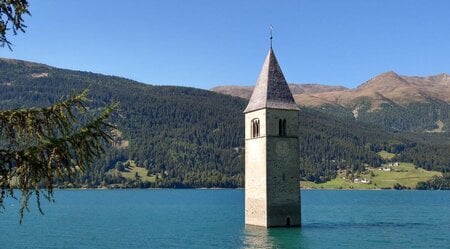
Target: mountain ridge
(383, 88)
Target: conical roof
(271, 90)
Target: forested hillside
(191, 137)
(188, 137)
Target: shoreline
(204, 188)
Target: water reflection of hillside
(259, 237)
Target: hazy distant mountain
(385, 88)
(246, 91)
(239, 91)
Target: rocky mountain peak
(383, 82)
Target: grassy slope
(130, 173)
(142, 172)
(405, 174)
(386, 155)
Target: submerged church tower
(272, 174)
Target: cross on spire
(271, 37)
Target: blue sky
(204, 43)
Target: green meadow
(386, 155)
(133, 171)
(405, 174)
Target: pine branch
(11, 12)
(54, 146)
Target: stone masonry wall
(255, 172)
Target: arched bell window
(282, 128)
(255, 127)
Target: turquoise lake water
(215, 219)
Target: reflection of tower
(260, 237)
(272, 193)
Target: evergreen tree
(39, 145)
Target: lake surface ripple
(214, 219)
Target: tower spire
(271, 90)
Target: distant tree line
(437, 182)
(194, 138)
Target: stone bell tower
(272, 174)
